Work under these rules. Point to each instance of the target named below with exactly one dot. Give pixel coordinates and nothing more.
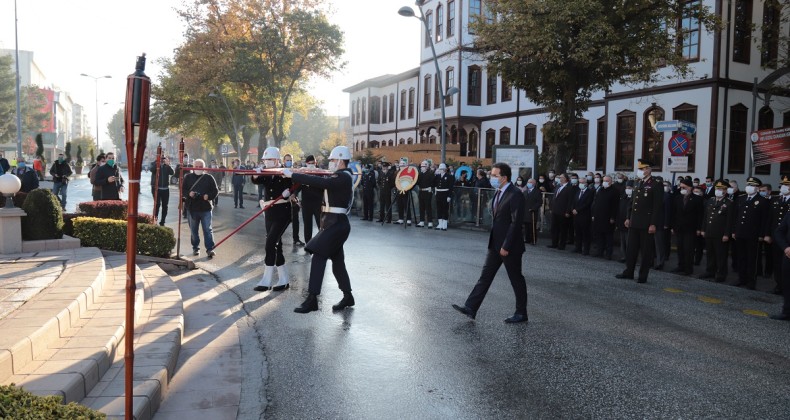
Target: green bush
(44, 218)
(68, 225)
(152, 240)
(16, 403)
(112, 209)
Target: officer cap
(687, 182)
(309, 158)
(722, 184)
(754, 181)
(642, 164)
(785, 180)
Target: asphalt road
(595, 346)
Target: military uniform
(368, 193)
(443, 183)
(425, 184)
(277, 219)
(686, 221)
(716, 228)
(780, 206)
(386, 183)
(647, 209)
(751, 226)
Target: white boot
(266, 280)
(421, 224)
(282, 278)
(430, 225)
(445, 224)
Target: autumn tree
(7, 99)
(561, 52)
(115, 129)
(334, 139)
(310, 127)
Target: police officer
(425, 184)
(443, 183)
(751, 228)
(645, 215)
(335, 228)
(386, 183)
(311, 203)
(781, 238)
(368, 192)
(780, 206)
(686, 221)
(717, 225)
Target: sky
(103, 37)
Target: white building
(617, 130)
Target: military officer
(716, 228)
(425, 184)
(443, 183)
(780, 205)
(751, 228)
(645, 215)
(386, 183)
(781, 238)
(368, 192)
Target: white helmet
(340, 152)
(442, 166)
(271, 153)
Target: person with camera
(199, 190)
(60, 172)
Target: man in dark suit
(622, 215)
(686, 220)
(781, 237)
(604, 216)
(582, 216)
(780, 206)
(751, 228)
(505, 245)
(561, 213)
(645, 215)
(533, 199)
(710, 192)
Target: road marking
(673, 290)
(707, 299)
(755, 312)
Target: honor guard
(645, 216)
(443, 183)
(368, 192)
(425, 184)
(277, 219)
(335, 228)
(780, 205)
(386, 184)
(751, 228)
(404, 198)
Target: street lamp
(407, 11)
(18, 108)
(96, 97)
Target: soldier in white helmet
(335, 228)
(277, 219)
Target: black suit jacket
(582, 203)
(507, 222)
(561, 204)
(532, 200)
(687, 217)
(605, 207)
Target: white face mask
(574, 181)
(720, 193)
(730, 190)
(640, 174)
(311, 165)
(198, 173)
(784, 189)
(582, 187)
(620, 180)
(518, 182)
(333, 165)
(684, 191)
(667, 189)
(751, 189)
(628, 191)
(270, 163)
(606, 184)
(698, 193)
(423, 169)
(597, 180)
(542, 180)
(551, 176)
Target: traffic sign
(224, 149)
(676, 125)
(688, 127)
(677, 164)
(678, 145)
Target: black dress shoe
(677, 270)
(309, 305)
(466, 311)
(704, 276)
(624, 276)
(517, 318)
(552, 246)
(241, 207)
(659, 267)
(281, 288)
(641, 280)
(347, 301)
(781, 317)
(260, 288)
(622, 260)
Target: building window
(772, 13)
(742, 37)
(473, 140)
(429, 19)
(652, 140)
(392, 107)
(474, 13)
(504, 136)
(449, 79)
(580, 135)
(624, 142)
(450, 18)
(364, 109)
(490, 139)
(736, 157)
(426, 95)
(507, 91)
(474, 88)
(403, 104)
(439, 23)
(689, 30)
(359, 104)
(765, 120)
(530, 135)
(411, 102)
(384, 110)
(436, 94)
(688, 113)
(600, 145)
(491, 92)
(353, 113)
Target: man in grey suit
(505, 245)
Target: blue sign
(676, 125)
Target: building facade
(619, 127)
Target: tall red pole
(136, 113)
(180, 194)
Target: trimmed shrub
(19, 199)
(152, 240)
(68, 225)
(16, 403)
(112, 209)
(44, 218)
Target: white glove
(287, 173)
(448, 199)
(258, 170)
(286, 193)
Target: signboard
(224, 149)
(771, 146)
(356, 170)
(678, 145)
(677, 164)
(523, 160)
(676, 125)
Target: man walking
(60, 172)
(505, 245)
(238, 181)
(160, 187)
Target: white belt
(280, 201)
(336, 210)
(442, 189)
(425, 189)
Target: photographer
(199, 190)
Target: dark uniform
(443, 183)
(386, 184)
(751, 226)
(604, 217)
(781, 237)
(368, 193)
(647, 209)
(780, 206)
(311, 203)
(277, 217)
(425, 184)
(686, 221)
(716, 228)
(533, 200)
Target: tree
(368, 157)
(310, 127)
(335, 139)
(68, 152)
(7, 99)
(292, 148)
(561, 52)
(40, 146)
(79, 156)
(115, 129)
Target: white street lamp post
(96, 98)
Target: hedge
(111, 209)
(16, 403)
(44, 219)
(152, 240)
